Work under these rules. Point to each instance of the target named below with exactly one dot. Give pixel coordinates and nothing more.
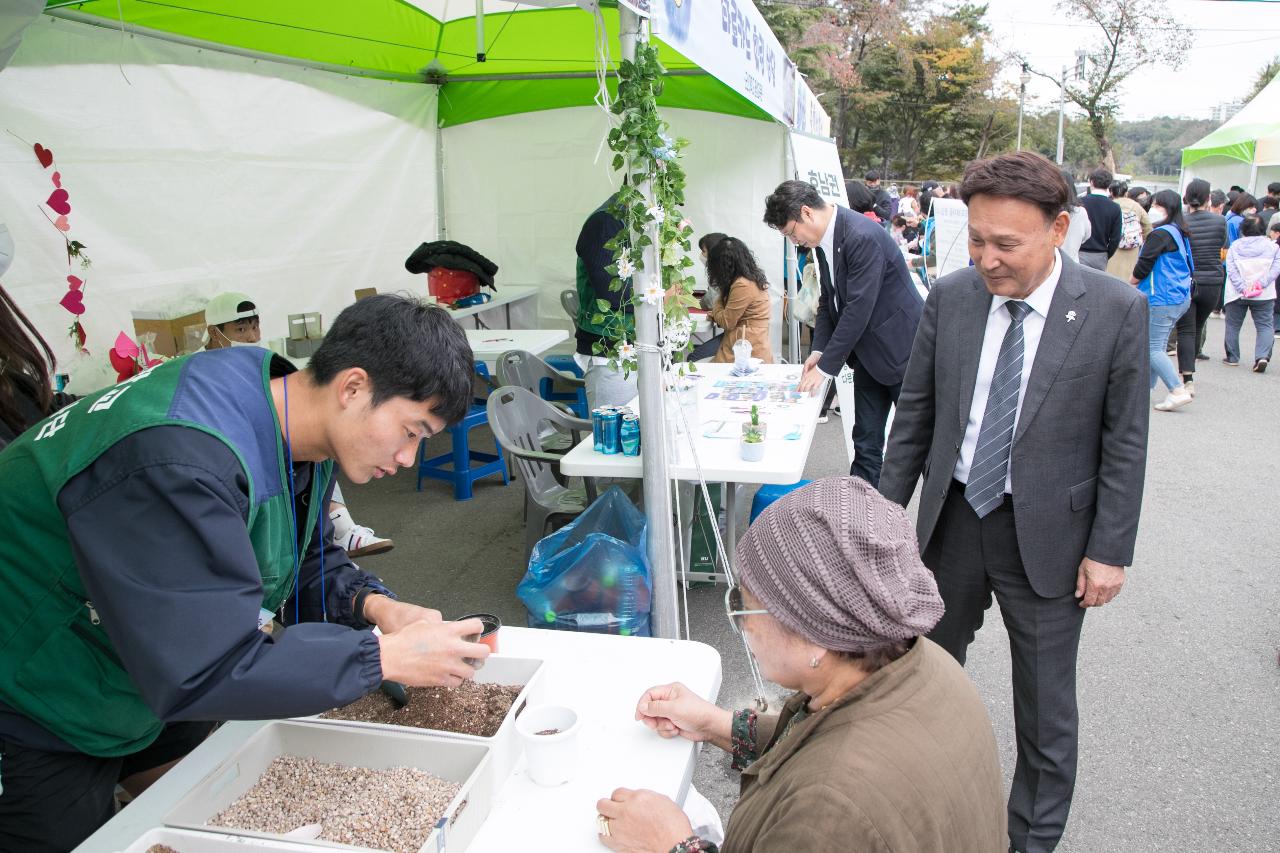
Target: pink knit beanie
(838, 563)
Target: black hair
(1197, 193)
(1172, 204)
(783, 205)
(730, 260)
(1273, 188)
(1243, 202)
(706, 241)
(1252, 227)
(1236, 188)
(873, 175)
(1217, 198)
(409, 349)
(1269, 201)
(1071, 188)
(1023, 175)
(27, 362)
(1100, 178)
(861, 197)
(1118, 189)
(898, 221)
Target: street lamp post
(1062, 106)
(1025, 78)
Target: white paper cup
(553, 758)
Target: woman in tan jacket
(885, 746)
(743, 307)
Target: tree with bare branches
(1129, 35)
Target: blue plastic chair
(457, 465)
(769, 494)
(576, 399)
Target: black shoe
(1201, 357)
(1260, 366)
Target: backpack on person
(1130, 229)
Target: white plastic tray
(506, 745)
(185, 841)
(467, 764)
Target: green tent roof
(549, 53)
(1238, 138)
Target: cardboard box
(297, 327)
(174, 335)
(304, 348)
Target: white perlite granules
(393, 809)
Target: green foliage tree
(1265, 75)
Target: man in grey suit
(1025, 409)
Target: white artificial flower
(626, 352)
(626, 269)
(656, 212)
(652, 294)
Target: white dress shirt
(998, 321)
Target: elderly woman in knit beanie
(886, 745)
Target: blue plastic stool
(577, 400)
(456, 466)
(769, 494)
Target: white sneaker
(1174, 401)
(361, 542)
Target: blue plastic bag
(592, 575)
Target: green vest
(57, 665)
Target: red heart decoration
(62, 224)
(57, 180)
(75, 283)
(123, 366)
(77, 334)
(125, 346)
(59, 202)
(44, 155)
(73, 302)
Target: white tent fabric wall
(205, 172)
(1224, 172)
(518, 189)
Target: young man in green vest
(168, 518)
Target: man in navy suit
(867, 313)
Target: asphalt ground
(1179, 680)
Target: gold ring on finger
(602, 825)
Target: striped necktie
(990, 467)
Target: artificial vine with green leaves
(648, 157)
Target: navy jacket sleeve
(157, 527)
(601, 227)
(1115, 231)
(859, 288)
(1156, 244)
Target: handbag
(806, 304)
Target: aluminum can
(629, 434)
(611, 429)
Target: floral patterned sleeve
(743, 739)
(694, 844)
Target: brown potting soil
(161, 848)
(548, 732)
(470, 709)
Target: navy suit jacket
(878, 309)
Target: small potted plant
(752, 445)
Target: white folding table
(787, 442)
(488, 345)
(600, 676)
(504, 297)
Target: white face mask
(229, 342)
(1157, 215)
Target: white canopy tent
(194, 170)
(1245, 151)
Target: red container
(448, 285)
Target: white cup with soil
(550, 737)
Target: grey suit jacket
(1079, 452)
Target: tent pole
(442, 230)
(792, 264)
(663, 614)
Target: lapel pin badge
(1071, 316)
